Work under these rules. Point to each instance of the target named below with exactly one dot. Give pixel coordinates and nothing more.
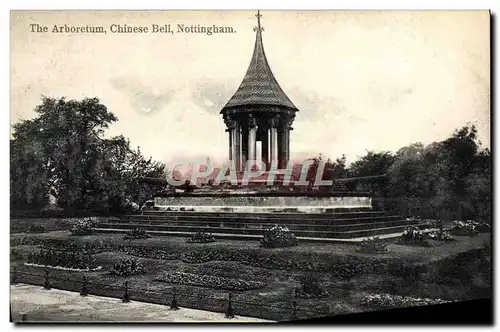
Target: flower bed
(183, 278)
(74, 260)
(137, 233)
(340, 267)
(200, 237)
(387, 301)
(373, 245)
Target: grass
(440, 278)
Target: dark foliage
(36, 228)
(16, 255)
(128, 267)
(62, 152)
(310, 286)
(447, 180)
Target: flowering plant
(84, 226)
(278, 237)
(414, 236)
(466, 228)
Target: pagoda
(259, 111)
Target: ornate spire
(259, 86)
(258, 27)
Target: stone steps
(259, 219)
(370, 231)
(251, 224)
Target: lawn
(457, 270)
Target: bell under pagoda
(259, 111)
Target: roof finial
(258, 27)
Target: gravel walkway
(38, 304)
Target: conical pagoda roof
(259, 86)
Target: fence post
(84, 291)
(294, 305)
(126, 295)
(174, 305)
(47, 282)
(229, 312)
(14, 276)
(89, 260)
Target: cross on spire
(258, 27)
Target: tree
(29, 185)
(373, 163)
(65, 148)
(446, 180)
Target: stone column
(237, 145)
(230, 123)
(281, 146)
(230, 131)
(244, 144)
(273, 128)
(287, 127)
(252, 137)
(265, 146)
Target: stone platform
(247, 216)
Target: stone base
(261, 204)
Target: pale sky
(361, 80)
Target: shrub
(278, 237)
(464, 228)
(310, 286)
(435, 223)
(36, 228)
(68, 259)
(209, 281)
(201, 237)
(414, 236)
(373, 245)
(137, 233)
(83, 226)
(128, 267)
